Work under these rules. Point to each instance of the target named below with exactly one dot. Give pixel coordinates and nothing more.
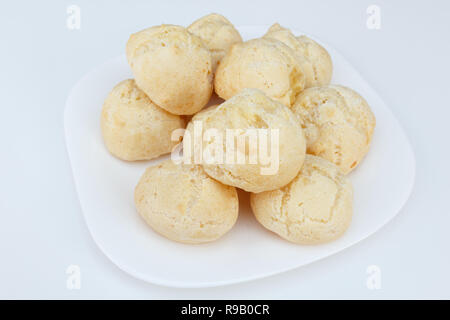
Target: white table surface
(42, 231)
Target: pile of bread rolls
(279, 81)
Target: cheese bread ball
(338, 124)
(316, 207)
(172, 66)
(265, 64)
(183, 204)
(314, 59)
(217, 33)
(269, 160)
(133, 127)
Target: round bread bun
(316, 207)
(247, 113)
(183, 204)
(173, 67)
(133, 127)
(338, 124)
(265, 64)
(314, 59)
(217, 33)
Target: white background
(42, 231)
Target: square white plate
(105, 186)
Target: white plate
(105, 186)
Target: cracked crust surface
(314, 59)
(172, 66)
(182, 203)
(338, 124)
(217, 33)
(265, 64)
(133, 127)
(316, 207)
(252, 109)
